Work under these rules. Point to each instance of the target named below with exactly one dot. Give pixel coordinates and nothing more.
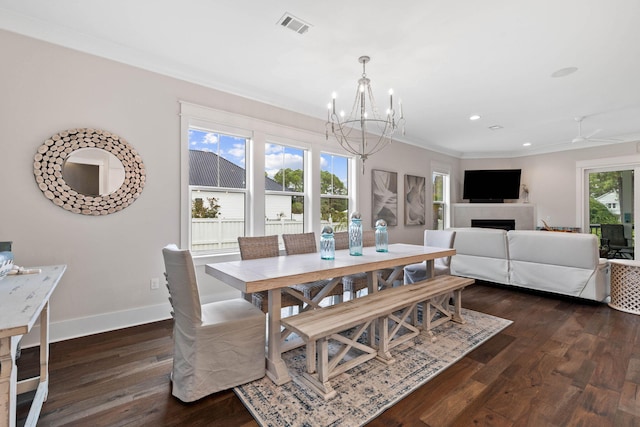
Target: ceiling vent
(291, 22)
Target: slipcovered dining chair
(216, 346)
(438, 238)
(305, 243)
(255, 247)
(354, 283)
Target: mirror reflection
(93, 172)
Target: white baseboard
(74, 328)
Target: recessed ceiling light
(474, 117)
(526, 144)
(564, 71)
(495, 127)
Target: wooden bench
(396, 310)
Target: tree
(293, 179)
(599, 214)
(335, 208)
(601, 183)
(331, 184)
(198, 210)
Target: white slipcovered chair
(217, 345)
(437, 238)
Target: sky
(276, 156)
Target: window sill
(200, 260)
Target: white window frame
(305, 168)
(352, 183)
(259, 131)
(445, 170)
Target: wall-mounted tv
(491, 186)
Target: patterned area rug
(367, 390)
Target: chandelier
(364, 131)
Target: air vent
(294, 24)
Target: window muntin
(284, 189)
(217, 190)
(334, 190)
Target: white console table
(23, 300)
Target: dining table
(279, 273)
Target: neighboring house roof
(610, 197)
(203, 171)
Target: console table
(24, 299)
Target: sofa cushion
(555, 248)
(481, 253)
(484, 242)
(563, 263)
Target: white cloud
(274, 162)
(210, 138)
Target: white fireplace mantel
(522, 213)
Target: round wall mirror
(88, 171)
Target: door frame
(607, 164)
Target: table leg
(276, 368)
(8, 380)
(372, 286)
(431, 268)
(44, 348)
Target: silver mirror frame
(50, 158)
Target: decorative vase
(382, 238)
(327, 243)
(355, 235)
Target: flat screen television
(491, 186)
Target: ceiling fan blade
(578, 139)
(593, 133)
(605, 140)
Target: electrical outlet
(155, 283)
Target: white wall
(46, 89)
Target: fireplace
(503, 224)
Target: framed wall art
(414, 200)
(384, 196)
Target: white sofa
(562, 263)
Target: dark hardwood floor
(561, 363)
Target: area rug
(367, 390)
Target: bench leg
(457, 314)
(320, 382)
(383, 345)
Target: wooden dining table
(277, 273)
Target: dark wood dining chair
(305, 243)
(263, 247)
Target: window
(334, 191)
(284, 189)
(440, 201)
(217, 188)
(243, 176)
